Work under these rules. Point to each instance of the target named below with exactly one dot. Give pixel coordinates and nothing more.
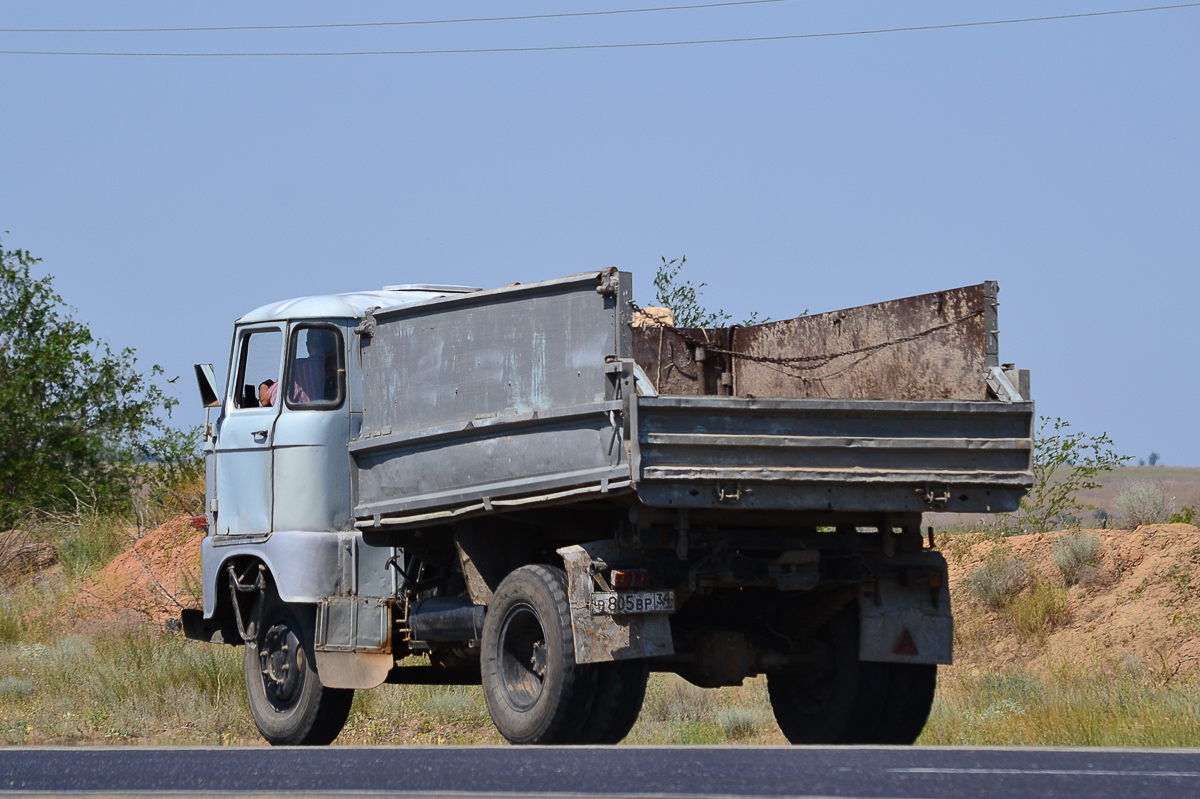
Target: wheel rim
(281, 661)
(522, 662)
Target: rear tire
(839, 704)
(620, 692)
(535, 692)
(911, 687)
(289, 705)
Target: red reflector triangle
(906, 645)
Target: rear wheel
(620, 692)
(911, 687)
(289, 705)
(535, 692)
(840, 702)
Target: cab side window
(316, 373)
(257, 382)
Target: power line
(614, 46)
(523, 17)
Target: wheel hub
(538, 659)
(281, 662)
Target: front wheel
(535, 692)
(289, 705)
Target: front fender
(306, 566)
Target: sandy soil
(1138, 603)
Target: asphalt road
(610, 771)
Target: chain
(803, 362)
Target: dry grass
(1079, 705)
(125, 688)
(1039, 611)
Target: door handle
(259, 433)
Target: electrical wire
(519, 18)
(611, 46)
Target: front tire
(535, 692)
(289, 705)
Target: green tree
(683, 298)
(1064, 463)
(80, 424)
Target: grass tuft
(1074, 553)
(738, 722)
(999, 580)
(15, 686)
(1039, 611)
(458, 704)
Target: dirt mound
(1136, 604)
(154, 579)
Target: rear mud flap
(905, 624)
(604, 638)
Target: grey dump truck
(546, 491)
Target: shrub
(457, 704)
(1186, 515)
(1072, 552)
(1064, 464)
(683, 298)
(1143, 502)
(15, 686)
(998, 581)
(1041, 610)
(738, 722)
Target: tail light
(630, 578)
(915, 578)
(200, 523)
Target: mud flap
(353, 669)
(905, 624)
(605, 638)
(213, 631)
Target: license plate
(630, 602)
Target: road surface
(734, 771)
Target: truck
(548, 491)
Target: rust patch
(932, 346)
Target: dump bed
(547, 392)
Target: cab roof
(352, 305)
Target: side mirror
(208, 385)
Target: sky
(168, 196)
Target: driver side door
(245, 434)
